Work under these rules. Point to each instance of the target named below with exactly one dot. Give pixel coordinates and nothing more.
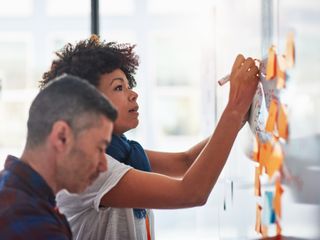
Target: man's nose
(103, 166)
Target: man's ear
(60, 135)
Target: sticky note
(282, 122)
(271, 63)
(275, 160)
(268, 214)
(265, 153)
(257, 183)
(273, 108)
(290, 50)
(277, 198)
(258, 219)
(281, 72)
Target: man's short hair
(70, 99)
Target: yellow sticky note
(270, 125)
(271, 63)
(290, 50)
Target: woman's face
(115, 86)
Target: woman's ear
(60, 135)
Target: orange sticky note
(290, 50)
(265, 153)
(277, 199)
(258, 219)
(270, 125)
(275, 161)
(281, 72)
(282, 122)
(271, 64)
(257, 184)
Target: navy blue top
(27, 205)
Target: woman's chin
(119, 131)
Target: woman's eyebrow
(117, 78)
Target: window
(29, 34)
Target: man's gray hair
(66, 98)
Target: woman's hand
(244, 80)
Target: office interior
(185, 47)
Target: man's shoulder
(22, 216)
(15, 200)
(17, 206)
(10, 196)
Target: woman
(144, 179)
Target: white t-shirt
(89, 221)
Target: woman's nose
(133, 95)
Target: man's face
(86, 157)
(115, 86)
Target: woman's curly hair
(91, 58)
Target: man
(117, 205)
(69, 127)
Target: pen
(223, 80)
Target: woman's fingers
(238, 62)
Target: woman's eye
(118, 88)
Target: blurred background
(185, 46)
